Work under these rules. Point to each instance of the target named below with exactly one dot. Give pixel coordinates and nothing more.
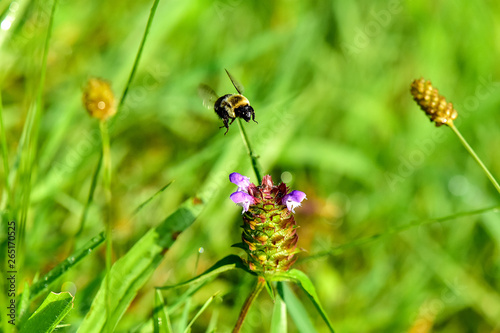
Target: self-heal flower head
(293, 199)
(269, 230)
(241, 181)
(242, 199)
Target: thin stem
(106, 158)
(253, 158)
(478, 160)
(248, 303)
(396, 230)
(139, 52)
(90, 197)
(109, 239)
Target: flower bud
(98, 99)
(269, 229)
(433, 104)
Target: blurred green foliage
(329, 81)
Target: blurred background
(329, 82)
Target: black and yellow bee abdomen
(223, 108)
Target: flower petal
(242, 199)
(293, 199)
(241, 181)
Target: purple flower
(240, 180)
(242, 199)
(293, 199)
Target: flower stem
(107, 189)
(478, 160)
(248, 303)
(395, 230)
(253, 158)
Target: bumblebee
(229, 106)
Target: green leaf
(296, 309)
(185, 297)
(305, 283)
(278, 321)
(24, 302)
(240, 245)
(225, 264)
(145, 203)
(53, 309)
(161, 319)
(131, 272)
(44, 283)
(270, 290)
(203, 308)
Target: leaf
(278, 321)
(145, 203)
(161, 319)
(296, 309)
(53, 309)
(305, 283)
(225, 264)
(203, 308)
(44, 283)
(24, 302)
(131, 272)
(270, 290)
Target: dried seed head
(433, 104)
(98, 99)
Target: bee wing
(208, 95)
(236, 84)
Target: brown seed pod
(433, 104)
(98, 99)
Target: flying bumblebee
(229, 106)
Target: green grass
(335, 117)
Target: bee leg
(253, 118)
(225, 125)
(232, 121)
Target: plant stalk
(478, 160)
(253, 158)
(248, 303)
(106, 155)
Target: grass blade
(53, 309)
(145, 203)
(28, 151)
(137, 59)
(90, 197)
(296, 309)
(278, 322)
(161, 319)
(44, 283)
(130, 272)
(305, 283)
(396, 230)
(227, 263)
(203, 308)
